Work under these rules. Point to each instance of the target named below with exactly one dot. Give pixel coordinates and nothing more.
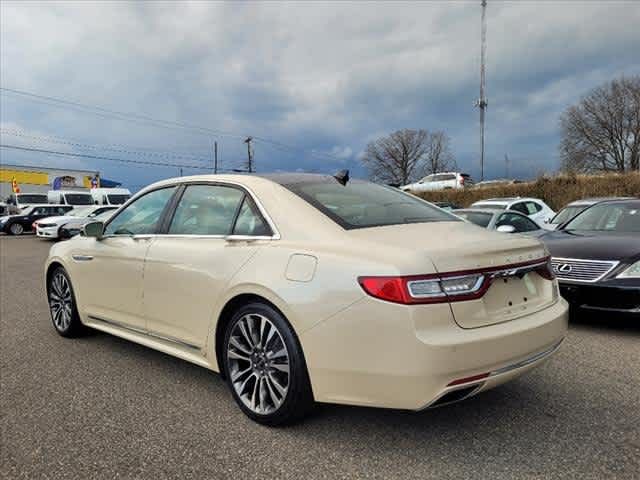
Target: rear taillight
(447, 287)
(462, 181)
(546, 270)
(410, 290)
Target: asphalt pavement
(101, 407)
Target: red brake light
(546, 271)
(448, 287)
(391, 289)
(461, 180)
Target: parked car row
(95, 196)
(594, 245)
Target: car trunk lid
(514, 291)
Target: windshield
(496, 206)
(362, 204)
(24, 198)
(81, 211)
(608, 217)
(567, 214)
(479, 218)
(78, 198)
(117, 199)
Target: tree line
(601, 133)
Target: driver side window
(143, 215)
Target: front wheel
(265, 367)
(62, 304)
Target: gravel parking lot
(101, 407)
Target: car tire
(265, 367)
(16, 229)
(62, 304)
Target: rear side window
(206, 210)
(249, 221)
(362, 204)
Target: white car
(50, 227)
(534, 208)
(440, 181)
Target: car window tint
(249, 221)
(361, 204)
(141, 216)
(520, 207)
(206, 210)
(533, 207)
(567, 214)
(519, 222)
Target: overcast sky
(324, 78)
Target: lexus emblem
(564, 268)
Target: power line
(124, 149)
(124, 115)
(99, 157)
(144, 119)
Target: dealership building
(32, 179)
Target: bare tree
(602, 132)
(406, 155)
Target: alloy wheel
(258, 363)
(60, 301)
(16, 229)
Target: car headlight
(632, 271)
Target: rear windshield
(479, 218)
(492, 206)
(362, 204)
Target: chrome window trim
(613, 264)
(276, 233)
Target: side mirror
(93, 229)
(506, 229)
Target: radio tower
(482, 101)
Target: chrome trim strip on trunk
(144, 332)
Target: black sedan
(596, 257)
(18, 224)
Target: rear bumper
(619, 297)
(386, 355)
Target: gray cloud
(326, 77)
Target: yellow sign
(24, 177)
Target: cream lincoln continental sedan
(304, 288)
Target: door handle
(82, 258)
(142, 237)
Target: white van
(70, 197)
(110, 196)
(18, 201)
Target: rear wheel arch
(226, 314)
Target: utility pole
(215, 157)
(180, 171)
(482, 101)
(506, 166)
(249, 154)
